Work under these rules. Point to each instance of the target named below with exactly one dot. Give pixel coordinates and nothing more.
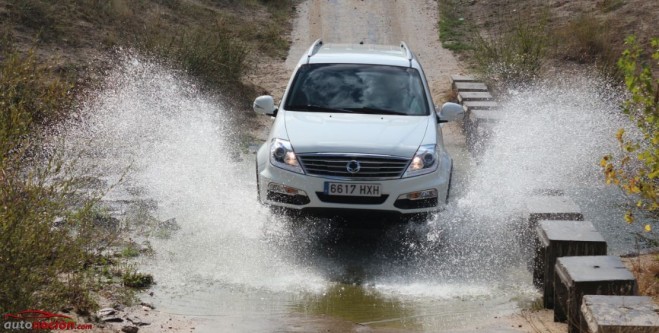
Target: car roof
(332, 53)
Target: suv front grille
(370, 166)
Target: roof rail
(408, 53)
(314, 48)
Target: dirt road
(375, 22)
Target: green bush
(206, 52)
(588, 40)
(515, 56)
(637, 171)
(44, 237)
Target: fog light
(419, 195)
(283, 189)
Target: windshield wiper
(367, 109)
(312, 107)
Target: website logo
(41, 320)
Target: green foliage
(30, 95)
(637, 171)
(130, 251)
(453, 28)
(589, 40)
(133, 279)
(46, 227)
(517, 55)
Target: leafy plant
(515, 56)
(47, 228)
(134, 279)
(637, 171)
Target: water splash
(175, 144)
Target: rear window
(358, 88)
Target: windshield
(357, 88)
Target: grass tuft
(454, 31)
(517, 55)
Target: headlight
(424, 161)
(283, 156)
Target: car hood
(355, 133)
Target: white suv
(356, 131)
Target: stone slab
(562, 238)
(592, 268)
(462, 78)
(608, 314)
(575, 277)
(569, 231)
(469, 86)
(480, 105)
(546, 207)
(474, 96)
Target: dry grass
(575, 32)
(213, 40)
(646, 270)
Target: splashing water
(173, 141)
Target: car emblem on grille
(353, 167)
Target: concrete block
(474, 96)
(462, 78)
(618, 314)
(575, 277)
(560, 238)
(480, 105)
(550, 208)
(469, 86)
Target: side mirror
(264, 105)
(450, 112)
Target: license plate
(356, 190)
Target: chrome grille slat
(372, 166)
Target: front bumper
(314, 199)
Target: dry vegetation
(214, 40)
(57, 247)
(509, 40)
(646, 271)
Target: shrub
(637, 172)
(42, 248)
(588, 40)
(516, 56)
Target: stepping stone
(480, 105)
(474, 96)
(608, 314)
(462, 78)
(551, 208)
(469, 86)
(562, 239)
(575, 277)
